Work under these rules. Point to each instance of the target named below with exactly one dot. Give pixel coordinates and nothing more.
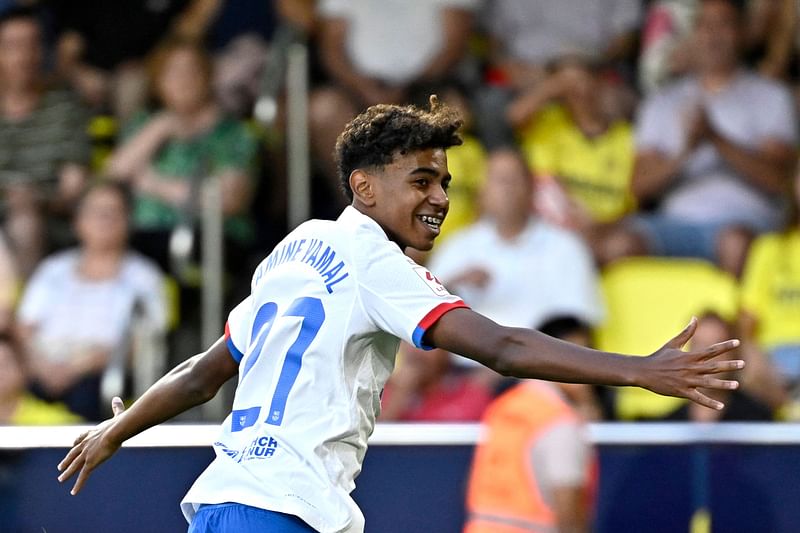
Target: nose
(438, 197)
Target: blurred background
(627, 164)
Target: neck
(18, 102)
(99, 264)
(510, 227)
(716, 80)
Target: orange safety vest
(503, 496)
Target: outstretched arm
(193, 382)
(529, 354)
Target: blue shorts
(238, 518)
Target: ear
(361, 183)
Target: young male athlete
(315, 342)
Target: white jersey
(316, 341)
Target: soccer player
(315, 341)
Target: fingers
(85, 471)
(80, 438)
(707, 382)
(72, 465)
(698, 397)
(719, 348)
(683, 337)
(66, 461)
(717, 367)
(117, 407)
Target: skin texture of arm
(652, 172)
(193, 382)
(569, 505)
(529, 354)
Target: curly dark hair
(376, 136)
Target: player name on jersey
(310, 252)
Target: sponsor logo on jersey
(430, 280)
(262, 447)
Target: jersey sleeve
(402, 297)
(236, 327)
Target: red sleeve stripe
(430, 319)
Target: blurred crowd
(614, 150)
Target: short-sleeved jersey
(315, 341)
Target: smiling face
(407, 197)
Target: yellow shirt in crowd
(771, 288)
(35, 412)
(467, 163)
(596, 172)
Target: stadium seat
(648, 301)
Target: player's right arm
(193, 382)
(527, 353)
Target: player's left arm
(530, 354)
(193, 382)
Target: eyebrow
(430, 171)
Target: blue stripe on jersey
(244, 418)
(419, 331)
(235, 353)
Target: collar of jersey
(353, 217)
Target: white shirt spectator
(69, 311)
(539, 31)
(751, 110)
(389, 39)
(545, 271)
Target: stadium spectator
(527, 36)
(427, 387)
(512, 267)
(77, 309)
(102, 45)
(374, 51)
(534, 469)
(166, 156)
(748, 403)
(667, 49)
(17, 406)
(580, 154)
(714, 154)
(770, 304)
(43, 145)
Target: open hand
(89, 450)
(673, 372)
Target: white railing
(604, 434)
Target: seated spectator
(581, 155)
(102, 45)
(512, 267)
(527, 36)
(373, 51)
(427, 387)
(17, 406)
(747, 403)
(714, 154)
(43, 144)
(770, 304)
(535, 469)
(76, 311)
(667, 50)
(167, 155)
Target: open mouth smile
(433, 222)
